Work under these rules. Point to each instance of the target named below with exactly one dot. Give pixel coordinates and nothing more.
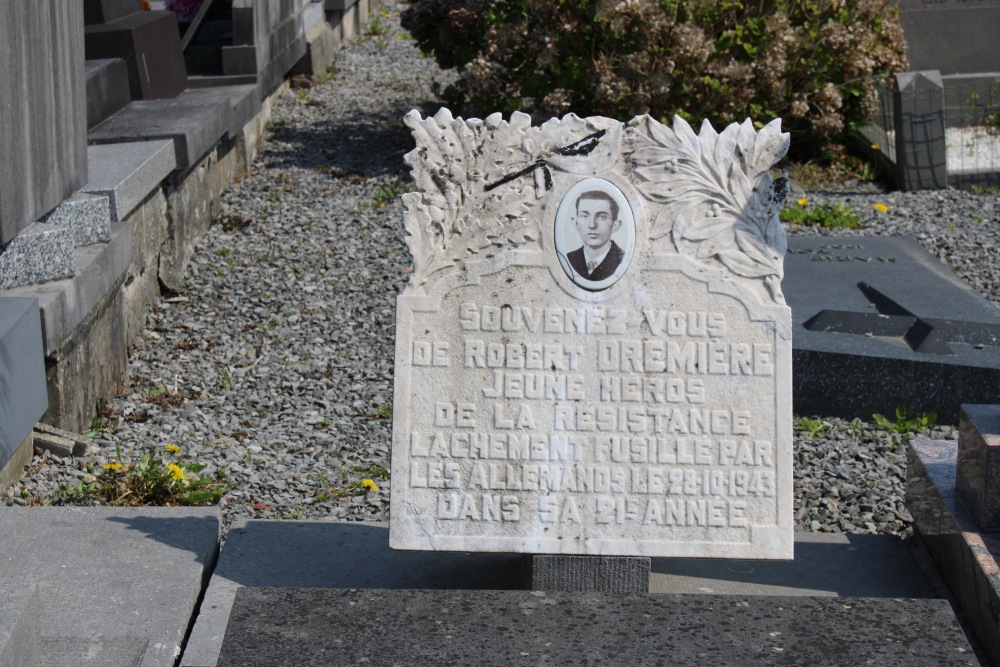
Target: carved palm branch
(717, 195)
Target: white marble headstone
(593, 355)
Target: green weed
(377, 26)
(372, 471)
(824, 215)
(813, 427)
(904, 424)
(152, 480)
(324, 76)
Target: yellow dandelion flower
(113, 467)
(369, 484)
(803, 202)
(881, 208)
(175, 471)
(875, 147)
(173, 448)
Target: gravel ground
(274, 366)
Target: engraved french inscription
(635, 404)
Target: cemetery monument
(593, 354)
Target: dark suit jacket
(603, 270)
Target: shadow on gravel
(357, 144)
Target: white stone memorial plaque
(593, 355)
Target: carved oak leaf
(718, 198)
(454, 215)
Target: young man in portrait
(596, 219)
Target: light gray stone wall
(43, 109)
(269, 37)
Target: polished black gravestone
(879, 322)
(148, 42)
(106, 11)
(281, 626)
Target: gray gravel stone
(274, 366)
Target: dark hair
(599, 194)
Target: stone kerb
(978, 472)
(641, 407)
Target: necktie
(591, 266)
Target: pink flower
(185, 9)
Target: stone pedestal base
(603, 574)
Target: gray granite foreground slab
(101, 586)
(424, 627)
(344, 555)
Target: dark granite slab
(150, 45)
(107, 88)
(105, 11)
(879, 322)
(195, 120)
(424, 627)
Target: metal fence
(929, 131)
(972, 126)
(881, 132)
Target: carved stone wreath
(710, 194)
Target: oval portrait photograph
(594, 234)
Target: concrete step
(126, 173)
(19, 641)
(107, 88)
(195, 121)
(101, 586)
